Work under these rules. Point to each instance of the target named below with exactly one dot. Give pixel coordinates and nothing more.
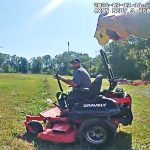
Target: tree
(14, 63)
(62, 63)
(48, 64)
(36, 65)
(23, 65)
(130, 58)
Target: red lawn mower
(94, 119)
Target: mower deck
(62, 132)
(52, 112)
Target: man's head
(75, 64)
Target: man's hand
(67, 81)
(56, 76)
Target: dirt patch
(146, 93)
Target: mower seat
(96, 86)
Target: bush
(146, 75)
(2, 70)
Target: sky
(32, 28)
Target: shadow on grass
(122, 141)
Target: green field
(27, 94)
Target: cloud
(51, 6)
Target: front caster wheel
(36, 126)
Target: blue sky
(37, 27)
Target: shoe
(64, 112)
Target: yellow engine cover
(102, 36)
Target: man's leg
(74, 97)
(62, 103)
(61, 97)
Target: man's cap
(75, 61)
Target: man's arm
(68, 81)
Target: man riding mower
(93, 115)
(81, 81)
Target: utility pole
(68, 46)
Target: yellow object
(101, 36)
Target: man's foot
(64, 112)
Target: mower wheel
(96, 131)
(36, 126)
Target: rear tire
(96, 131)
(36, 126)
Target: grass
(27, 94)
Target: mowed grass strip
(27, 94)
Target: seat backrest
(96, 86)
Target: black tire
(36, 126)
(103, 132)
(127, 117)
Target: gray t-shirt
(82, 78)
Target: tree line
(129, 59)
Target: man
(81, 79)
